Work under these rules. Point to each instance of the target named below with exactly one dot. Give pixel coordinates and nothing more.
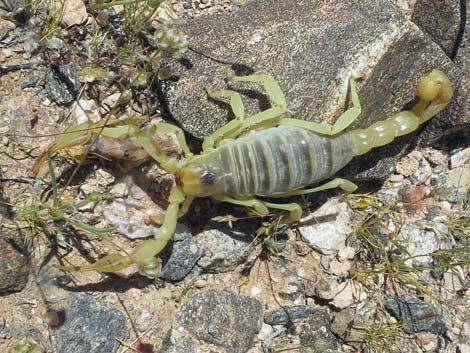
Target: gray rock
(90, 327)
(311, 48)
(326, 228)
(222, 318)
(288, 314)
(61, 83)
(14, 268)
(26, 330)
(445, 28)
(440, 19)
(224, 247)
(291, 291)
(175, 342)
(30, 81)
(50, 281)
(419, 243)
(415, 315)
(179, 258)
(315, 333)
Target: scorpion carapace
(263, 154)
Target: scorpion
(261, 155)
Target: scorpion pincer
(260, 155)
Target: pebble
(422, 173)
(73, 12)
(222, 318)
(328, 227)
(130, 218)
(143, 321)
(413, 194)
(91, 326)
(291, 290)
(225, 248)
(62, 83)
(50, 281)
(180, 258)
(419, 243)
(460, 158)
(14, 268)
(427, 341)
(415, 315)
(288, 314)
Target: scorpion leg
(268, 118)
(346, 119)
(261, 207)
(343, 184)
(144, 254)
(233, 127)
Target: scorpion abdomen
(277, 160)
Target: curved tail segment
(434, 91)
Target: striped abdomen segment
(280, 159)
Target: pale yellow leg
(345, 120)
(261, 207)
(239, 125)
(343, 184)
(144, 254)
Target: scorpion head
(198, 180)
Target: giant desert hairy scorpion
(260, 155)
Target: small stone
(70, 12)
(454, 279)
(419, 243)
(328, 228)
(346, 253)
(396, 178)
(179, 259)
(222, 318)
(225, 248)
(62, 83)
(435, 157)
(339, 268)
(14, 269)
(427, 341)
(415, 315)
(30, 81)
(409, 164)
(265, 332)
(291, 290)
(143, 321)
(422, 174)
(288, 314)
(85, 110)
(460, 158)
(50, 280)
(91, 326)
(413, 194)
(130, 218)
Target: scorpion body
(263, 154)
(268, 163)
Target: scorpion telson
(263, 154)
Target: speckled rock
(326, 229)
(415, 315)
(14, 267)
(225, 247)
(292, 40)
(288, 314)
(222, 318)
(61, 83)
(179, 258)
(91, 327)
